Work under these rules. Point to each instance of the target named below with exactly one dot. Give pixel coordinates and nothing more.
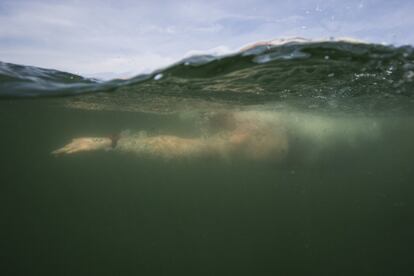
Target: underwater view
(290, 157)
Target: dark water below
(346, 212)
(339, 203)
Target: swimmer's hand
(84, 144)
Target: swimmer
(251, 135)
(232, 134)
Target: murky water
(279, 160)
(338, 201)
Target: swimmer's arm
(85, 144)
(163, 145)
(166, 146)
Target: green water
(336, 200)
(340, 208)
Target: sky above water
(123, 38)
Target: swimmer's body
(246, 134)
(234, 134)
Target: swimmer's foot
(85, 144)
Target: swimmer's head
(222, 120)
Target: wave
(270, 71)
